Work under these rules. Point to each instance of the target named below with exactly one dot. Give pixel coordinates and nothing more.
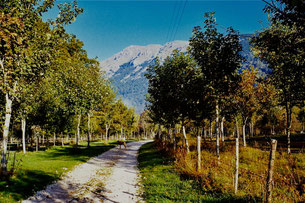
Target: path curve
(109, 177)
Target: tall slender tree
(218, 56)
(282, 46)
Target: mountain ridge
(126, 69)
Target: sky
(107, 27)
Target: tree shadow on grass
(26, 183)
(80, 153)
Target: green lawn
(38, 169)
(162, 183)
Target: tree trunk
(54, 139)
(174, 138)
(37, 142)
(211, 130)
(244, 131)
(198, 153)
(159, 131)
(78, 129)
(237, 128)
(6, 126)
(62, 140)
(23, 127)
(185, 138)
(288, 125)
(222, 129)
(107, 128)
(121, 135)
(252, 128)
(89, 131)
(217, 130)
(48, 143)
(236, 165)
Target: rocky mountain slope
(126, 69)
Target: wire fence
(252, 171)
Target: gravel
(109, 177)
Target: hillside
(126, 69)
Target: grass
(289, 171)
(38, 169)
(172, 176)
(162, 183)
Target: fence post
(270, 171)
(199, 153)
(236, 165)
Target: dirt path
(109, 177)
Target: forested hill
(126, 69)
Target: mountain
(126, 69)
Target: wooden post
(270, 171)
(199, 153)
(236, 165)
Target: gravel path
(109, 177)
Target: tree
(282, 46)
(245, 97)
(20, 38)
(18, 43)
(171, 89)
(218, 56)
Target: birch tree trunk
(78, 129)
(222, 129)
(199, 153)
(217, 130)
(237, 128)
(244, 131)
(121, 135)
(185, 138)
(62, 140)
(6, 126)
(54, 139)
(23, 127)
(288, 125)
(236, 165)
(107, 128)
(89, 131)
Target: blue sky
(107, 27)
